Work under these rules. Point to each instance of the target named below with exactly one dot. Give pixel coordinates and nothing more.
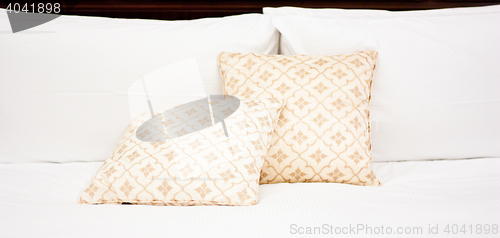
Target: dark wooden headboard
(193, 9)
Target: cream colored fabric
(201, 168)
(323, 133)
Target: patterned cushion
(323, 133)
(201, 168)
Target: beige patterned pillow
(323, 133)
(201, 168)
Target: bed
(40, 200)
(48, 156)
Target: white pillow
(64, 84)
(363, 13)
(435, 93)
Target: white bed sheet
(40, 200)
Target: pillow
(435, 91)
(202, 168)
(323, 133)
(370, 14)
(57, 76)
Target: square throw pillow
(323, 133)
(217, 165)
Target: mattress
(416, 198)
